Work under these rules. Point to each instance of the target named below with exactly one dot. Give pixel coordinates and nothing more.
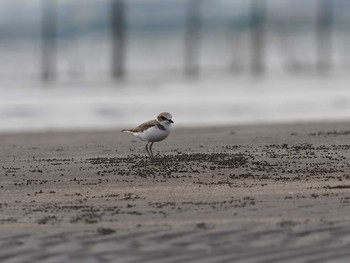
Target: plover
(153, 131)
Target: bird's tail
(126, 130)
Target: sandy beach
(258, 193)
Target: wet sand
(264, 193)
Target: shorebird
(153, 131)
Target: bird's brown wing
(142, 127)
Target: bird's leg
(147, 150)
(150, 149)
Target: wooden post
(324, 35)
(258, 36)
(49, 37)
(118, 38)
(236, 64)
(192, 38)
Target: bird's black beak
(171, 121)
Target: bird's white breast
(153, 134)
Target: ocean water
(206, 101)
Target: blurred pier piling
(118, 38)
(192, 38)
(258, 36)
(49, 40)
(324, 35)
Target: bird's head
(165, 118)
